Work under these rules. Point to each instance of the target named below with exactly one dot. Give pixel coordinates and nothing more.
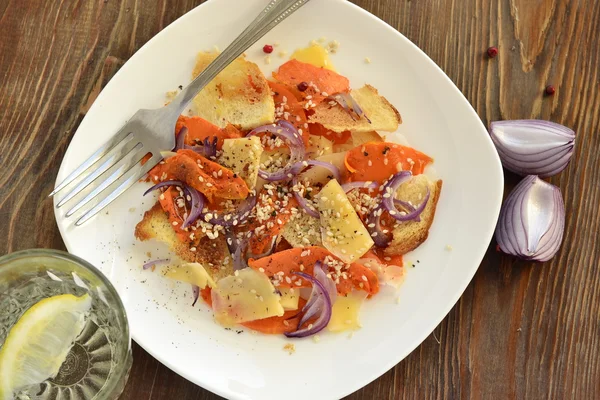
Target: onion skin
(533, 147)
(532, 220)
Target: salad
(282, 199)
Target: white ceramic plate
(437, 120)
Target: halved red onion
(287, 132)
(349, 104)
(321, 307)
(380, 238)
(195, 293)
(532, 220)
(359, 185)
(302, 202)
(152, 263)
(389, 191)
(533, 147)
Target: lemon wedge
(39, 342)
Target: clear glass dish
(98, 365)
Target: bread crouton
(239, 95)
(382, 114)
(209, 252)
(409, 235)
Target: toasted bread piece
(210, 253)
(409, 235)
(383, 115)
(239, 95)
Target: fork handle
(274, 13)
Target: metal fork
(117, 163)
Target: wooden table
(520, 330)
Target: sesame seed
(261, 269)
(175, 223)
(364, 278)
(367, 60)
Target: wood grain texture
(520, 331)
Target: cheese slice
(345, 312)
(342, 231)
(192, 273)
(247, 296)
(243, 157)
(290, 298)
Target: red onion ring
(196, 200)
(302, 202)
(293, 139)
(389, 191)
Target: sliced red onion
(293, 139)
(237, 248)
(533, 147)
(328, 283)
(380, 238)
(349, 104)
(532, 220)
(164, 184)
(243, 212)
(321, 307)
(207, 148)
(299, 167)
(389, 191)
(302, 202)
(359, 185)
(195, 293)
(196, 201)
(180, 140)
(152, 263)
